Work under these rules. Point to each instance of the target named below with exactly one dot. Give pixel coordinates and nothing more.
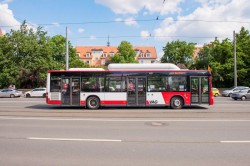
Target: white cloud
(213, 13)
(7, 19)
(135, 6)
(213, 3)
(130, 22)
(81, 30)
(145, 34)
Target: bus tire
(93, 103)
(176, 102)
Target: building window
(148, 55)
(137, 52)
(87, 54)
(111, 54)
(87, 62)
(96, 58)
(78, 54)
(104, 55)
(142, 54)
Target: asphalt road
(33, 133)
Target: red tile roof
(108, 49)
(84, 50)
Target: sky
(140, 22)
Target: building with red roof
(100, 55)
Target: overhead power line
(163, 36)
(137, 20)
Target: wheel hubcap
(177, 103)
(93, 103)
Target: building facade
(100, 55)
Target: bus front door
(71, 91)
(199, 90)
(136, 91)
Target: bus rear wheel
(176, 103)
(93, 103)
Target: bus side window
(176, 83)
(55, 84)
(156, 83)
(115, 84)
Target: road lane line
(234, 141)
(74, 139)
(103, 140)
(124, 120)
(34, 101)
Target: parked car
(243, 94)
(216, 92)
(229, 92)
(10, 93)
(37, 92)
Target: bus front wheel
(93, 102)
(176, 103)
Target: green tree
(126, 54)
(57, 44)
(27, 54)
(243, 56)
(31, 56)
(8, 70)
(219, 55)
(178, 52)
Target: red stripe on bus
(168, 95)
(58, 102)
(114, 102)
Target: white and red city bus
(142, 85)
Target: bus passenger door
(75, 83)
(136, 91)
(199, 90)
(71, 91)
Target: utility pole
(235, 61)
(67, 50)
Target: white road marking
(234, 141)
(10, 106)
(34, 101)
(74, 139)
(124, 120)
(103, 140)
